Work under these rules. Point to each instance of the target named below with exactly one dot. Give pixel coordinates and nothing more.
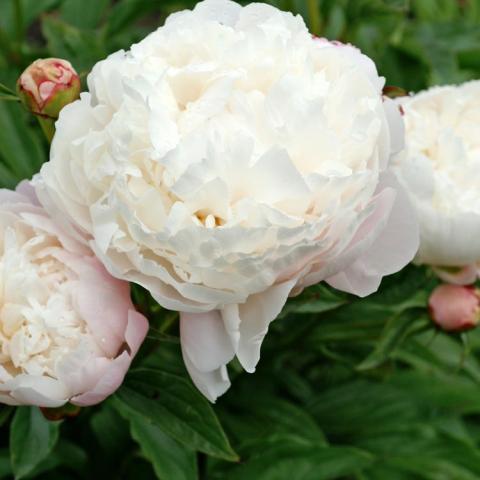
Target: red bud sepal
(65, 411)
(45, 87)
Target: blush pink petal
(110, 380)
(103, 302)
(114, 373)
(463, 276)
(394, 247)
(364, 237)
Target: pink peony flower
(68, 330)
(454, 307)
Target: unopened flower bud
(455, 307)
(45, 87)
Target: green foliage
(32, 439)
(346, 388)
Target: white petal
(206, 350)
(255, 315)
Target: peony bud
(454, 307)
(45, 87)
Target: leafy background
(346, 388)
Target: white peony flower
(441, 170)
(226, 162)
(68, 330)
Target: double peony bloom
(224, 163)
(227, 161)
(440, 169)
(68, 329)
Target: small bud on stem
(455, 308)
(45, 87)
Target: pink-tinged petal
(80, 371)
(356, 279)
(361, 242)
(137, 328)
(43, 223)
(255, 315)
(108, 383)
(26, 189)
(394, 247)
(10, 197)
(458, 276)
(103, 376)
(103, 302)
(206, 349)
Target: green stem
(9, 98)
(18, 14)
(5, 90)
(5, 45)
(314, 17)
(48, 127)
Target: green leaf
(66, 454)
(169, 458)
(5, 464)
(22, 151)
(315, 299)
(452, 392)
(111, 430)
(281, 457)
(84, 14)
(395, 331)
(270, 415)
(5, 412)
(175, 405)
(362, 408)
(82, 48)
(32, 438)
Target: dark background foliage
(346, 388)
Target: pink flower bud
(455, 307)
(47, 85)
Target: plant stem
(48, 127)
(9, 98)
(8, 91)
(19, 30)
(18, 14)
(314, 17)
